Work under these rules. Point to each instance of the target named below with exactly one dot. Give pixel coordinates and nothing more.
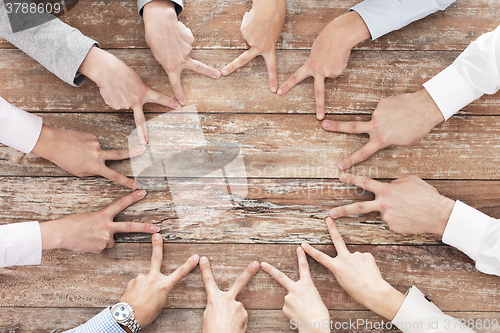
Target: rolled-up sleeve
(384, 16)
(20, 244)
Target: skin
(121, 87)
(358, 274)
(223, 312)
(147, 294)
(92, 232)
(399, 120)
(329, 55)
(261, 28)
(303, 302)
(408, 204)
(80, 154)
(171, 43)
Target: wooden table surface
(290, 163)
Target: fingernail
(141, 193)
(341, 166)
(177, 106)
(155, 228)
(157, 236)
(142, 140)
(196, 258)
(264, 265)
(280, 92)
(321, 116)
(333, 213)
(255, 264)
(329, 221)
(203, 260)
(216, 74)
(342, 176)
(326, 124)
(273, 89)
(299, 249)
(304, 245)
(225, 72)
(140, 149)
(137, 185)
(182, 101)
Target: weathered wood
(22, 320)
(370, 76)
(217, 25)
(67, 279)
(275, 210)
(295, 146)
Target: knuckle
(360, 206)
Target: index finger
(337, 239)
(296, 77)
(122, 154)
(363, 182)
(359, 156)
(319, 95)
(118, 178)
(157, 254)
(304, 270)
(352, 127)
(243, 279)
(272, 70)
(181, 272)
(159, 98)
(175, 83)
(208, 278)
(242, 60)
(279, 276)
(201, 68)
(140, 122)
(317, 255)
(124, 202)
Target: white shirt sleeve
(419, 315)
(20, 244)
(384, 16)
(475, 234)
(474, 73)
(18, 129)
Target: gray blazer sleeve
(55, 45)
(179, 6)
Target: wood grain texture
(67, 279)
(216, 24)
(283, 211)
(295, 146)
(370, 76)
(24, 320)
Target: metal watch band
(133, 325)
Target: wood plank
(295, 146)
(67, 279)
(369, 77)
(217, 25)
(275, 211)
(21, 320)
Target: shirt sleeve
(55, 45)
(475, 234)
(18, 129)
(179, 6)
(474, 73)
(20, 244)
(384, 16)
(101, 323)
(419, 315)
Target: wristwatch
(124, 315)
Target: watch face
(121, 312)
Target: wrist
(385, 300)
(45, 144)
(354, 27)
(95, 64)
(431, 112)
(445, 207)
(51, 235)
(164, 9)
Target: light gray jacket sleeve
(179, 6)
(55, 45)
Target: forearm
(352, 29)
(55, 45)
(384, 300)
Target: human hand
(80, 154)
(329, 55)
(408, 204)
(147, 294)
(398, 120)
(303, 304)
(223, 312)
(171, 43)
(358, 274)
(121, 87)
(261, 27)
(92, 232)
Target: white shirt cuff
(465, 229)
(20, 244)
(451, 91)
